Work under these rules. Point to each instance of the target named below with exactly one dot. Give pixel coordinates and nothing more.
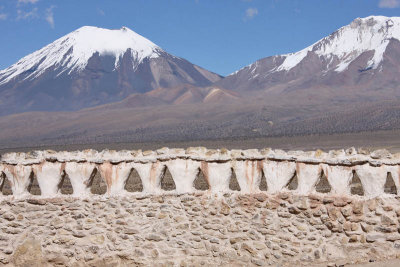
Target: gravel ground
(372, 140)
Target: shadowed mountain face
(93, 66)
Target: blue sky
(219, 35)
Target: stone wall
(199, 229)
(292, 208)
(276, 168)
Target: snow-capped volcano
(349, 42)
(73, 51)
(363, 52)
(93, 66)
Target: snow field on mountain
(73, 51)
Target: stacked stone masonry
(280, 225)
(249, 166)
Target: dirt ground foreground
(372, 140)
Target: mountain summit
(345, 45)
(72, 52)
(92, 66)
(365, 53)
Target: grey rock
(154, 237)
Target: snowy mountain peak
(72, 52)
(88, 40)
(372, 33)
